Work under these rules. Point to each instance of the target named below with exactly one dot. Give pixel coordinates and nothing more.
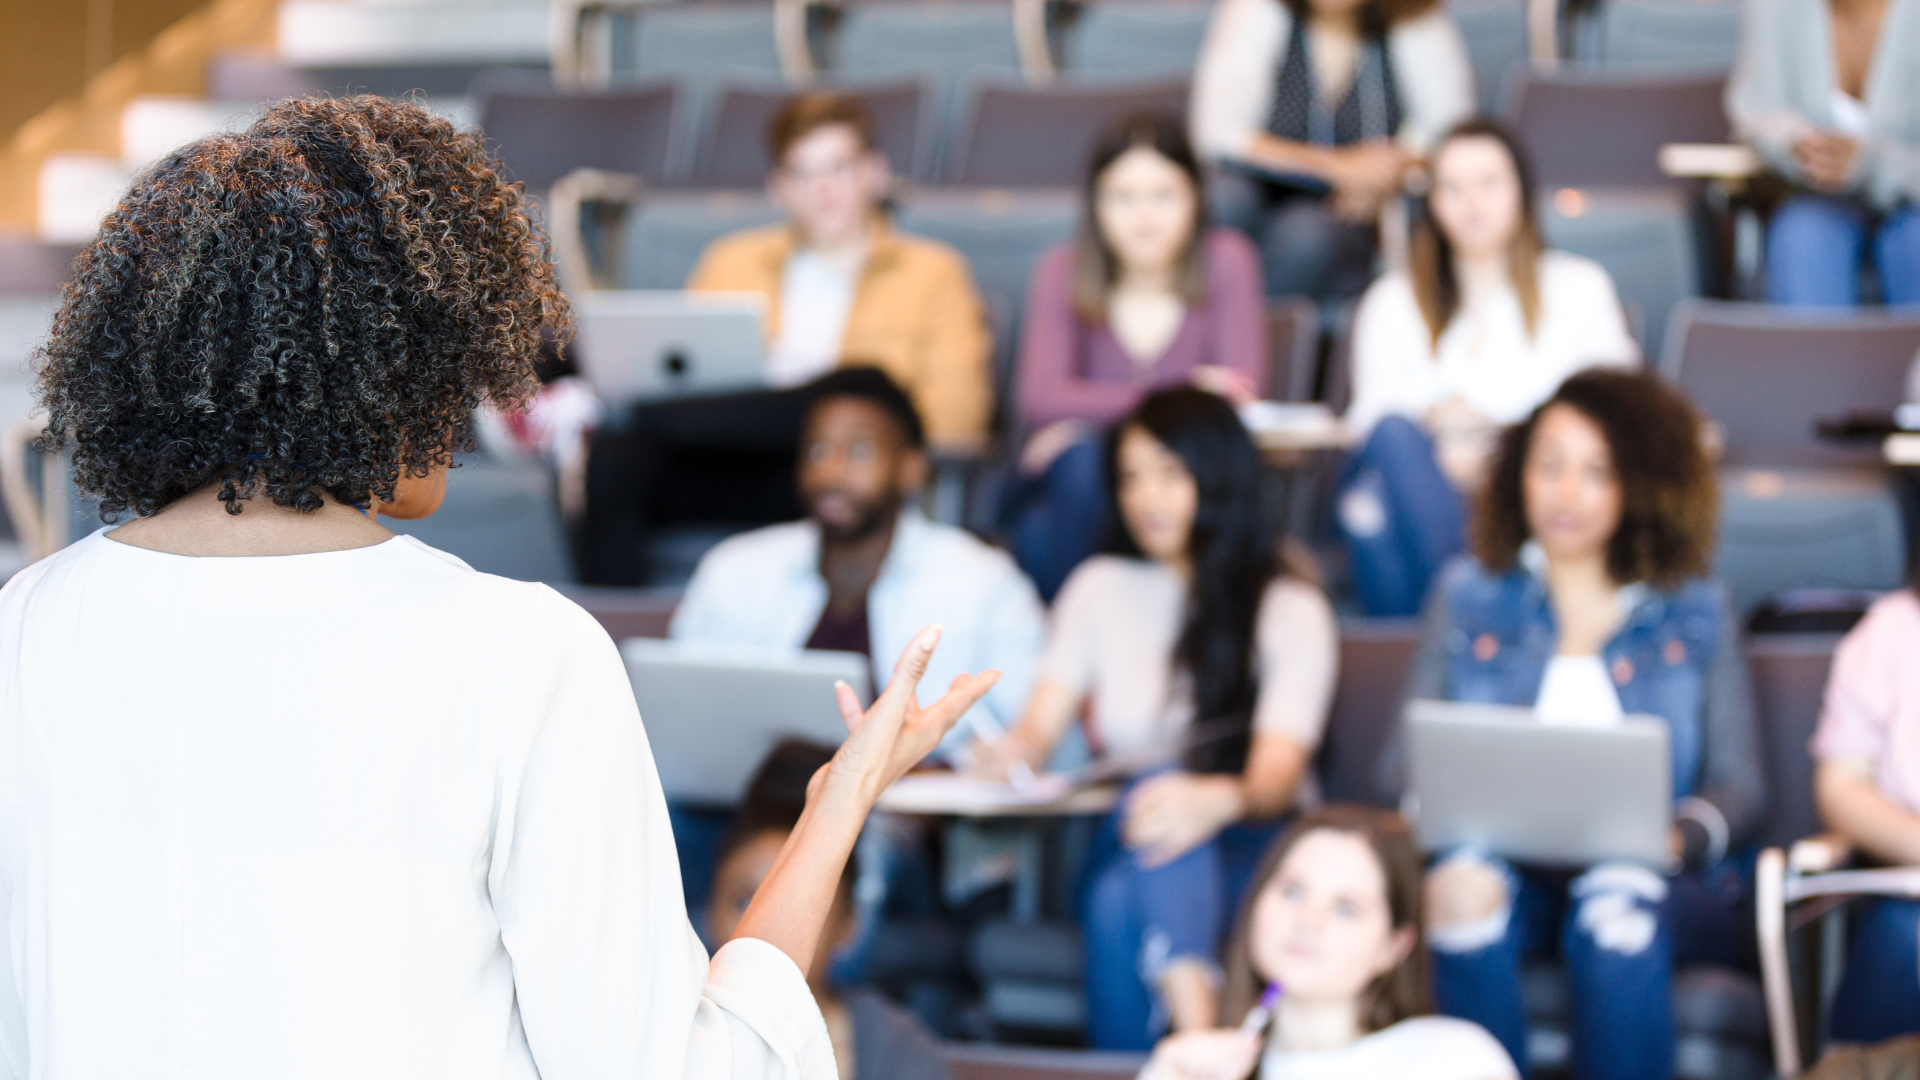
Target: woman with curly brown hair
(1587, 599)
(284, 794)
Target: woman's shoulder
(1565, 272)
(1108, 579)
(1295, 601)
(1446, 1049)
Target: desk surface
(945, 794)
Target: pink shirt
(1073, 370)
(1872, 711)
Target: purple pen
(1261, 1014)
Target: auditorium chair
(1022, 136)
(1697, 35)
(698, 46)
(665, 234)
(1797, 511)
(542, 133)
(1587, 128)
(1495, 32)
(732, 150)
(1135, 39)
(941, 41)
(1643, 237)
(977, 1062)
(1293, 349)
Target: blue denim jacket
(1488, 637)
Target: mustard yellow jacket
(915, 316)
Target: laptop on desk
(644, 344)
(713, 712)
(1494, 777)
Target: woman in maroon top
(1143, 299)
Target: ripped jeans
(1619, 928)
(1138, 919)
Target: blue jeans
(1401, 518)
(1138, 919)
(1056, 519)
(1879, 997)
(1618, 928)
(1814, 247)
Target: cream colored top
(1115, 625)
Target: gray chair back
(1375, 658)
(665, 235)
(543, 134)
(733, 149)
(1137, 39)
(1020, 136)
(1643, 237)
(940, 41)
(499, 518)
(1767, 375)
(1587, 128)
(1293, 347)
(969, 1061)
(1495, 32)
(1789, 683)
(699, 46)
(1699, 35)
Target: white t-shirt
(1576, 691)
(815, 296)
(1485, 357)
(1424, 1048)
(361, 813)
(1116, 623)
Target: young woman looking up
(1586, 600)
(1333, 917)
(1191, 638)
(1481, 328)
(1341, 94)
(1145, 298)
(284, 794)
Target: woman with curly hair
(1587, 599)
(284, 794)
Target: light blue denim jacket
(1487, 637)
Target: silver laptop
(1496, 778)
(713, 712)
(639, 344)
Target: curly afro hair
(1669, 499)
(312, 305)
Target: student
(1146, 297)
(284, 794)
(865, 570)
(1823, 91)
(873, 1039)
(1343, 95)
(1475, 333)
(843, 289)
(1586, 599)
(1867, 785)
(1195, 640)
(1333, 917)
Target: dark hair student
(345, 804)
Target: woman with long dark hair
(285, 794)
(1195, 646)
(1144, 298)
(1482, 326)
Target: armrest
(563, 217)
(1820, 854)
(1710, 161)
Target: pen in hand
(989, 731)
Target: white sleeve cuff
(764, 989)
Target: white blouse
(1426, 1047)
(1486, 357)
(361, 813)
(1115, 626)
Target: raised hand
(883, 742)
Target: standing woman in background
(1825, 91)
(1481, 328)
(1192, 639)
(284, 794)
(1146, 297)
(1315, 110)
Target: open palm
(883, 742)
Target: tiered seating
(1027, 137)
(733, 149)
(1136, 39)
